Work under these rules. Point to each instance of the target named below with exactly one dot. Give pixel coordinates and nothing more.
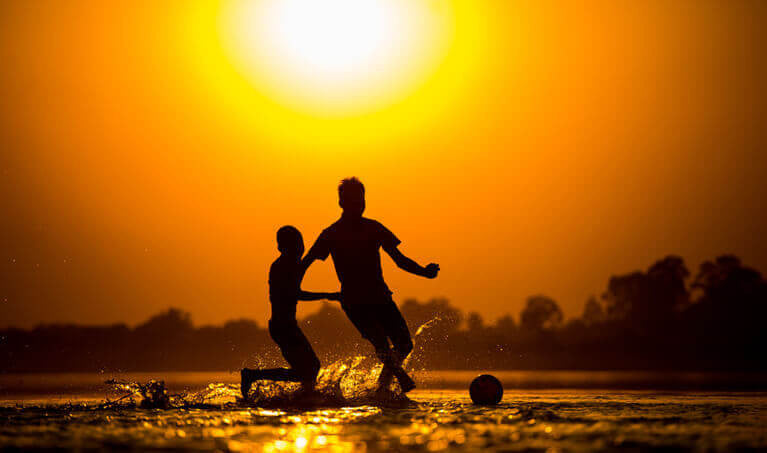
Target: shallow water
(433, 420)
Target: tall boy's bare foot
(406, 383)
(385, 378)
(388, 373)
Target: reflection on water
(434, 421)
(80, 412)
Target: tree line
(660, 318)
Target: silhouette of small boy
(285, 291)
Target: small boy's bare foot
(308, 394)
(246, 382)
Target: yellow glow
(566, 127)
(301, 443)
(336, 56)
(332, 40)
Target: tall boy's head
(289, 241)
(351, 196)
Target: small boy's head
(351, 196)
(290, 241)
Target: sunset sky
(150, 150)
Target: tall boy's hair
(351, 187)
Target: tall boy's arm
(319, 251)
(308, 295)
(408, 265)
(306, 262)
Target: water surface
(69, 411)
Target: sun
(333, 40)
(336, 56)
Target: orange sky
(547, 146)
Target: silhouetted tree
(669, 289)
(592, 312)
(726, 281)
(446, 318)
(646, 322)
(171, 321)
(541, 313)
(731, 295)
(647, 300)
(331, 333)
(505, 324)
(241, 327)
(474, 322)
(623, 293)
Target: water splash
(342, 383)
(346, 382)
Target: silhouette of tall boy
(354, 242)
(284, 293)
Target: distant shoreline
(63, 384)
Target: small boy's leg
(246, 382)
(298, 352)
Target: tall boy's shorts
(380, 321)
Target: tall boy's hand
(431, 270)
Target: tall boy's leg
(365, 319)
(387, 372)
(397, 330)
(369, 319)
(393, 368)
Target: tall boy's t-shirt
(355, 246)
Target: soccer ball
(486, 389)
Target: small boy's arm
(308, 295)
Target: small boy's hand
(431, 270)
